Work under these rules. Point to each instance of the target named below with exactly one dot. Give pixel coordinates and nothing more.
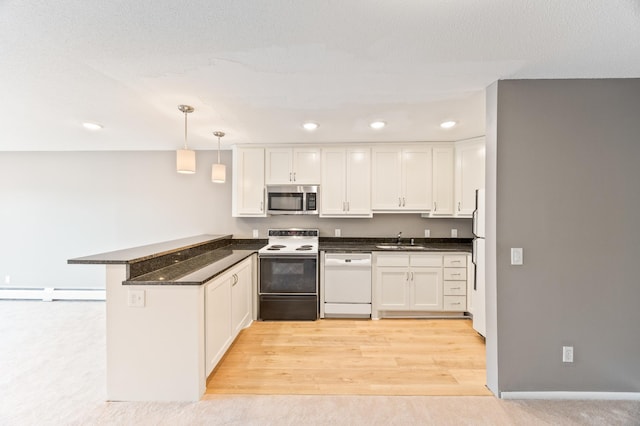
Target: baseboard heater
(49, 294)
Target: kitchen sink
(400, 247)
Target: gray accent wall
(567, 190)
(60, 205)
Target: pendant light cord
(218, 149)
(185, 130)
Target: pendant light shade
(185, 158)
(218, 171)
(186, 161)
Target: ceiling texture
(258, 69)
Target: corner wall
(568, 176)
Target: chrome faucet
(399, 235)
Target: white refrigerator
(478, 257)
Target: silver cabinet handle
(455, 261)
(407, 277)
(412, 276)
(403, 201)
(458, 205)
(348, 206)
(294, 176)
(455, 303)
(399, 202)
(455, 288)
(261, 205)
(435, 206)
(235, 280)
(290, 175)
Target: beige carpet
(52, 372)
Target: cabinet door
(217, 320)
(417, 181)
(386, 178)
(241, 297)
(306, 166)
(426, 289)
(248, 182)
(443, 174)
(470, 174)
(332, 188)
(279, 166)
(392, 285)
(358, 182)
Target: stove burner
(277, 246)
(304, 248)
(273, 248)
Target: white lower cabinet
(228, 303)
(417, 284)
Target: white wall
(60, 205)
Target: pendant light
(185, 158)
(218, 171)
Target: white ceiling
(257, 69)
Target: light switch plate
(517, 256)
(337, 232)
(427, 233)
(255, 233)
(454, 233)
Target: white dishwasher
(345, 285)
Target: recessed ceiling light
(447, 124)
(310, 126)
(92, 126)
(377, 125)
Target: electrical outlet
(135, 298)
(517, 256)
(7, 279)
(427, 233)
(454, 233)
(567, 354)
(337, 232)
(255, 233)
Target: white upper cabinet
(345, 190)
(443, 175)
(293, 166)
(470, 174)
(402, 179)
(248, 182)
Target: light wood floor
(354, 357)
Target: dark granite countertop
(196, 260)
(198, 269)
(186, 261)
(366, 245)
(150, 251)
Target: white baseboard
(50, 294)
(610, 396)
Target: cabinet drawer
(392, 260)
(455, 288)
(426, 260)
(455, 303)
(455, 274)
(455, 261)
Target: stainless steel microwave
(292, 199)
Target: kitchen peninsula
(155, 301)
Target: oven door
(288, 275)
